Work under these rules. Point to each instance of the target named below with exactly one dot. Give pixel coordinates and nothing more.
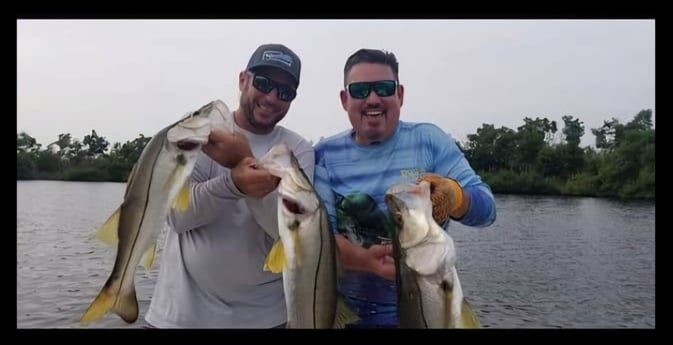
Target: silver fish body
(428, 287)
(306, 249)
(158, 181)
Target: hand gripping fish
(158, 181)
(428, 288)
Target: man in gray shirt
(211, 273)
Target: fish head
(221, 118)
(277, 160)
(411, 211)
(295, 190)
(193, 129)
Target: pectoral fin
(344, 314)
(275, 260)
(182, 200)
(107, 233)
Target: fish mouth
(188, 144)
(293, 206)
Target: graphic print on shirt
(361, 220)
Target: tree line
(535, 158)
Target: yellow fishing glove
(448, 198)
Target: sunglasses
(382, 88)
(266, 85)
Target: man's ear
(400, 93)
(344, 98)
(242, 80)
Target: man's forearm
(207, 201)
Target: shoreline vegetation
(535, 158)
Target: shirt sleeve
(210, 196)
(450, 161)
(323, 189)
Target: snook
(306, 249)
(428, 288)
(158, 181)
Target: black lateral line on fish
(142, 218)
(420, 300)
(317, 271)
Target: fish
(429, 294)
(305, 251)
(158, 181)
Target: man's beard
(250, 117)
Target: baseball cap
(276, 55)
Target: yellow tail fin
(275, 260)
(124, 304)
(99, 307)
(468, 318)
(127, 305)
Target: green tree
(96, 146)
(531, 137)
(490, 148)
(626, 167)
(26, 143)
(606, 135)
(573, 130)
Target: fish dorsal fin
(275, 260)
(468, 318)
(108, 232)
(148, 257)
(344, 315)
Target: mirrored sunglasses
(266, 85)
(382, 88)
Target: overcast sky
(127, 77)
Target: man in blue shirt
(354, 169)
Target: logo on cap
(274, 55)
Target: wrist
(232, 185)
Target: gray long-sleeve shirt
(211, 265)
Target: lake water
(547, 262)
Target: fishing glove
(448, 198)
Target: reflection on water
(561, 262)
(547, 262)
